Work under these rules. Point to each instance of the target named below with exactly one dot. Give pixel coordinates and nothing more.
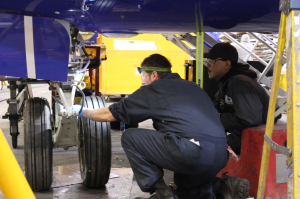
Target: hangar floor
(67, 182)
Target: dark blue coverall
(180, 111)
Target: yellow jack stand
(13, 183)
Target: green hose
(197, 45)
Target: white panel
(29, 47)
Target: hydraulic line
(197, 44)
(81, 82)
(199, 18)
(83, 97)
(85, 54)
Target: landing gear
(14, 140)
(38, 144)
(14, 112)
(106, 98)
(95, 147)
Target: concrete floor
(67, 182)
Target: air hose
(199, 16)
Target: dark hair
(156, 60)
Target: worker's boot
(162, 191)
(231, 187)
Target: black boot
(231, 187)
(162, 191)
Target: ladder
(288, 39)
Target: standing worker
(189, 138)
(245, 41)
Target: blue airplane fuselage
(153, 15)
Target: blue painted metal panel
(153, 15)
(51, 48)
(12, 46)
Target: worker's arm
(134, 109)
(99, 115)
(131, 110)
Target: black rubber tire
(38, 144)
(14, 141)
(95, 147)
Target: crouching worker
(241, 100)
(188, 139)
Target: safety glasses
(212, 61)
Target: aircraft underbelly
(160, 16)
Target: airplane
(40, 43)
(121, 19)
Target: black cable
(83, 98)
(57, 100)
(85, 55)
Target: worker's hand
(77, 109)
(232, 154)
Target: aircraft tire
(38, 144)
(95, 147)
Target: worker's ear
(155, 75)
(227, 65)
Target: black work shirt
(241, 100)
(174, 105)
